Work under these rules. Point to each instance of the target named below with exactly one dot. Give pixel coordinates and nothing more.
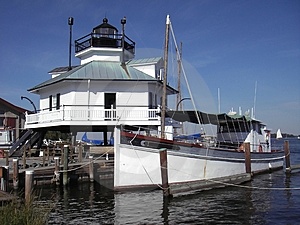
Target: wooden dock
(103, 171)
(6, 197)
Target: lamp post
(175, 131)
(123, 22)
(70, 22)
(181, 101)
(31, 102)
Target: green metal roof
(144, 61)
(98, 70)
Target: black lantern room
(105, 29)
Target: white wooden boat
(152, 159)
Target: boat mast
(164, 94)
(179, 96)
(254, 99)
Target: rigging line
(238, 131)
(220, 131)
(172, 79)
(123, 110)
(253, 187)
(234, 129)
(187, 83)
(183, 71)
(141, 161)
(254, 106)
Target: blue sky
(226, 44)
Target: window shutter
(50, 103)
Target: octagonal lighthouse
(109, 88)
(104, 43)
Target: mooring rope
(88, 163)
(141, 160)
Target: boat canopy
(207, 118)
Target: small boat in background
(278, 134)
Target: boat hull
(138, 165)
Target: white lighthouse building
(109, 88)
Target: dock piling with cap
(287, 156)
(247, 158)
(15, 173)
(28, 185)
(65, 173)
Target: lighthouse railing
(103, 40)
(93, 113)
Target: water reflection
(94, 204)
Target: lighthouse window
(54, 101)
(58, 101)
(150, 100)
(106, 32)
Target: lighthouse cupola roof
(105, 28)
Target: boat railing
(92, 113)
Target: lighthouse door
(110, 106)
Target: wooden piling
(80, 153)
(247, 157)
(28, 185)
(56, 170)
(65, 173)
(287, 156)
(6, 152)
(91, 168)
(24, 158)
(164, 171)
(44, 157)
(15, 173)
(48, 153)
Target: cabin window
(1, 122)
